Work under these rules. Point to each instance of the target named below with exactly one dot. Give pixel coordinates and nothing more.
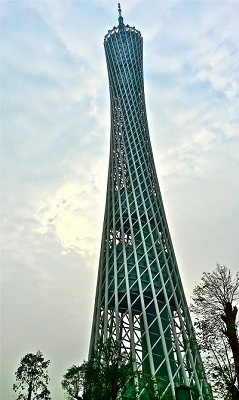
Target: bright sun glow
(69, 214)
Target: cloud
(47, 302)
(69, 213)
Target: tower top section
(121, 28)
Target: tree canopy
(73, 381)
(100, 378)
(214, 305)
(32, 378)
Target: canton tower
(139, 297)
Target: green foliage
(148, 387)
(211, 298)
(100, 378)
(73, 381)
(115, 367)
(32, 378)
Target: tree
(32, 378)
(100, 378)
(215, 308)
(148, 386)
(73, 381)
(113, 366)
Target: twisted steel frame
(140, 298)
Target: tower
(139, 298)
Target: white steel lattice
(140, 298)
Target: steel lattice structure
(140, 298)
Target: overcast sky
(55, 146)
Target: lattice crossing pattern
(140, 298)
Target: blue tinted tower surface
(140, 300)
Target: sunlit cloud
(69, 212)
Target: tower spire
(120, 19)
(119, 9)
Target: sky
(55, 147)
